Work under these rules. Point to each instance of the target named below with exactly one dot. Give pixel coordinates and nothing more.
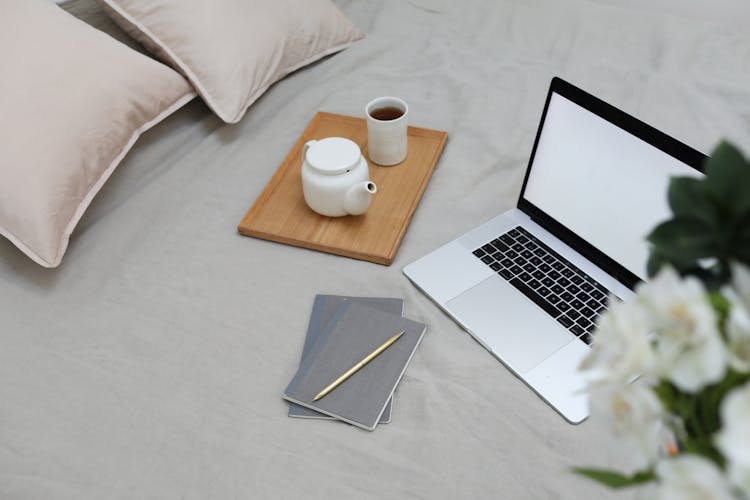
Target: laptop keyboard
(565, 292)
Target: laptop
(529, 284)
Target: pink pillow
(72, 103)
(233, 50)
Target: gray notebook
(355, 331)
(324, 308)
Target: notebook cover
(324, 308)
(354, 332)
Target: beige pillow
(233, 50)
(72, 103)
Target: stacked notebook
(342, 332)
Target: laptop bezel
(634, 126)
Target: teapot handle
(305, 147)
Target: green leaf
(740, 224)
(687, 197)
(728, 178)
(685, 240)
(655, 263)
(721, 305)
(615, 479)
(739, 234)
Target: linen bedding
(150, 364)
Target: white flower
(689, 347)
(734, 437)
(738, 333)
(621, 348)
(635, 415)
(690, 477)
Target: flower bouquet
(670, 367)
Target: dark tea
(387, 113)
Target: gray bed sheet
(150, 365)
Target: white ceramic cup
(386, 138)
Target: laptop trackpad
(518, 331)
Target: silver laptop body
(595, 186)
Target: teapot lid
(333, 155)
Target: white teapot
(335, 177)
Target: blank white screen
(601, 182)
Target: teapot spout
(358, 197)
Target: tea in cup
(387, 130)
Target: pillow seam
(195, 81)
(320, 55)
(94, 189)
(97, 186)
(187, 72)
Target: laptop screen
(601, 182)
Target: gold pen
(351, 371)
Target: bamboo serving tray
(280, 213)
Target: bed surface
(151, 363)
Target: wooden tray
(281, 214)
